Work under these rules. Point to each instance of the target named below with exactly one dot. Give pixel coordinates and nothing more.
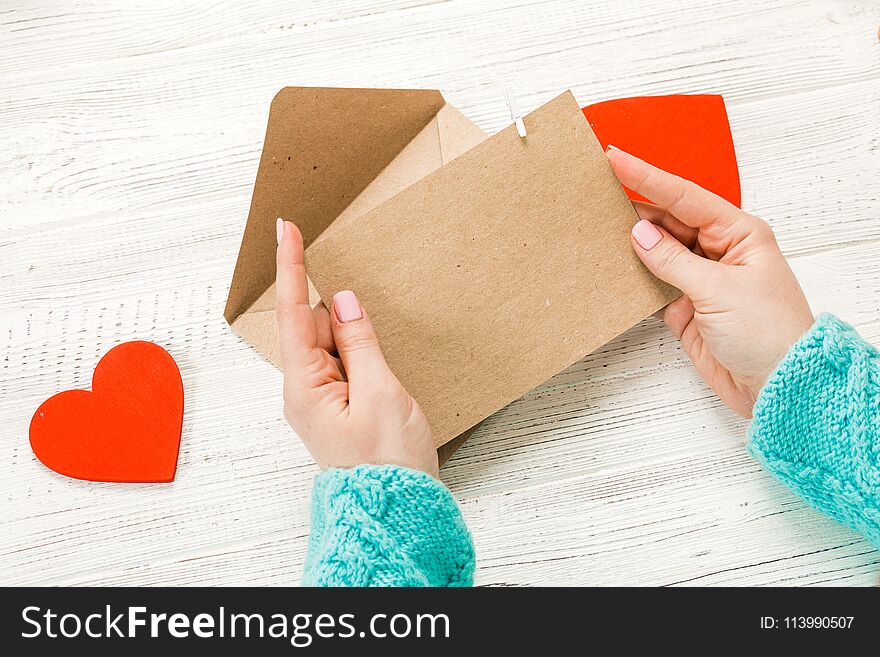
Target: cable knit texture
(384, 525)
(817, 424)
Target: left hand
(340, 397)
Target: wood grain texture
(129, 141)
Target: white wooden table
(129, 141)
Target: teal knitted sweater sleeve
(816, 424)
(385, 525)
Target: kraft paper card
(487, 264)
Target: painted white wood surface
(129, 140)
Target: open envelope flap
(323, 146)
(445, 135)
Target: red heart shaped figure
(126, 429)
(686, 135)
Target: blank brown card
(496, 271)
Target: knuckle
(286, 310)
(670, 257)
(356, 342)
(397, 394)
(683, 192)
(646, 178)
(763, 231)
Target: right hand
(742, 308)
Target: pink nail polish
(646, 234)
(347, 307)
(279, 229)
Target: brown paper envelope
(296, 188)
(331, 155)
(496, 271)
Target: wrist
(789, 336)
(427, 463)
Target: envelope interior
(446, 136)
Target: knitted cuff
(817, 424)
(385, 525)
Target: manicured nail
(347, 307)
(279, 229)
(615, 153)
(647, 235)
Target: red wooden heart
(687, 135)
(126, 429)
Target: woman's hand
(742, 307)
(340, 397)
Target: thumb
(356, 341)
(669, 260)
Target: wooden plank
(99, 137)
(688, 520)
(93, 31)
(813, 201)
(716, 520)
(243, 479)
(126, 181)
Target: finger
(671, 261)
(357, 344)
(325, 333)
(678, 314)
(685, 234)
(297, 330)
(685, 200)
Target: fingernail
(646, 234)
(347, 307)
(279, 229)
(611, 147)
